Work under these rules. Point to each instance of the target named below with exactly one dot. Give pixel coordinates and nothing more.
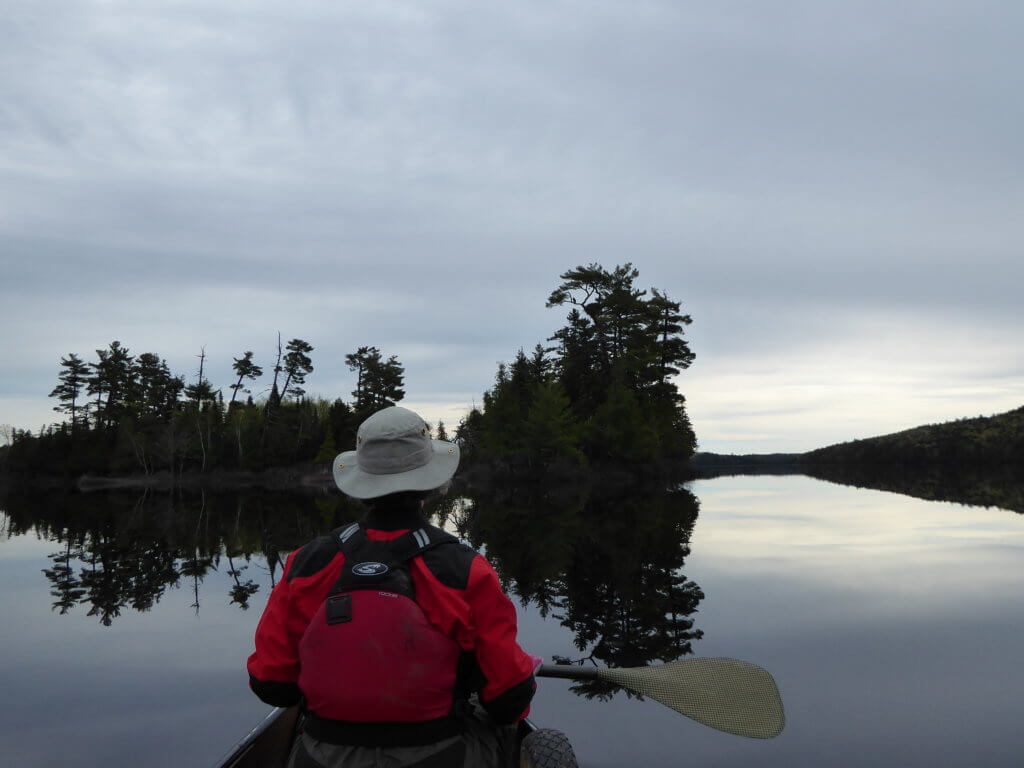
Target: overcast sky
(833, 190)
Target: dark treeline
(721, 464)
(602, 395)
(128, 414)
(986, 441)
(978, 462)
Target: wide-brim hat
(394, 452)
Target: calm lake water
(892, 625)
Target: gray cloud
(416, 177)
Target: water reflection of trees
(974, 486)
(125, 550)
(607, 566)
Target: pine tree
(609, 379)
(297, 365)
(201, 393)
(73, 379)
(550, 433)
(157, 391)
(358, 362)
(112, 379)
(379, 382)
(246, 369)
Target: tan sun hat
(394, 452)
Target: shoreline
(314, 478)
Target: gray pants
(482, 743)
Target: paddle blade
(732, 696)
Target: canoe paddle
(736, 697)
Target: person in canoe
(397, 638)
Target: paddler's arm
(507, 668)
(274, 667)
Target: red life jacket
(370, 654)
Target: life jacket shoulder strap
(413, 543)
(351, 538)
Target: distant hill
(978, 462)
(986, 441)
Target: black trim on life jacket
(377, 564)
(451, 565)
(414, 542)
(313, 557)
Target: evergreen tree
(246, 369)
(342, 423)
(358, 362)
(500, 437)
(469, 433)
(328, 448)
(297, 365)
(549, 430)
(157, 392)
(379, 382)
(609, 382)
(112, 382)
(275, 393)
(610, 302)
(201, 393)
(643, 337)
(384, 383)
(73, 381)
(620, 431)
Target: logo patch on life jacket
(370, 569)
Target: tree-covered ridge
(128, 414)
(603, 394)
(983, 441)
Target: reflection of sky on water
(160, 688)
(892, 625)
(888, 549)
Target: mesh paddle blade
(732, 696)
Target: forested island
(599, 395)
(602, 398)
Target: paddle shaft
(570, 671)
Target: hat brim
(358, 484)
